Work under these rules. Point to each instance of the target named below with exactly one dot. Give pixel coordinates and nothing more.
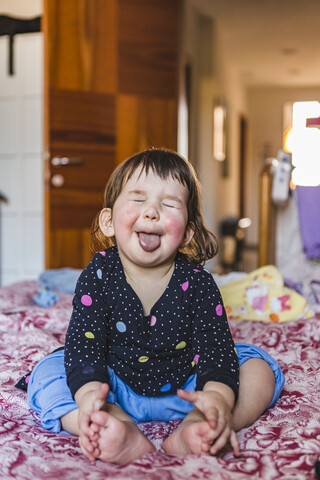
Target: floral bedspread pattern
(283, 444)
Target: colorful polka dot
(27, 378)
(86, 300)
(121, 327)
(196, 359)
(185, 286)
(143, 359)
(103, 253)
(219, 310)
(181, 345)
(99, 273)
(166, 387)
(89, 335)
(153, 320)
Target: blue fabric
(50, 397)
(48, 393)
(45, 297)
(61, 279)
(246, 351)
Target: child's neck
(149, 283)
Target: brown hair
(164, 163)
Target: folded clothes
(61, 279)
(261, 295)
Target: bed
(283, 444)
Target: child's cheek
(131, 214)
(176, 226)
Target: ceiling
(270, 42)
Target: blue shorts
(49, 395)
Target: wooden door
(111, 75)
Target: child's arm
(89, 398)
(87, 337)
(215, 402)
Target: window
(303, 142)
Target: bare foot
(191, 437)
(119, 441)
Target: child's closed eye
(169, 205)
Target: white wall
(21, 181)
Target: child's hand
(215, 408)
(90, 398)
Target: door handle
(66, 161)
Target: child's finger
(234, 443)
(103, 391)
(197, 399)
(211, 413)
(90, 448)
(213, 418)
(100, 397)
(220, 442)
(84, 423)
(188, 395)
(86, 448)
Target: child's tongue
(149, 241)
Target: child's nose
(151, 212)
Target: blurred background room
(230, 85)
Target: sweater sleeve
(213, 346)
(87, 334)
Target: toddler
(149, 338)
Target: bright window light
(304, 143)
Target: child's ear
(105, 222)
(188, 234)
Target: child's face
(149, 219)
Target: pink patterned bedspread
(283, 444)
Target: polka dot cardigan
(186, 332)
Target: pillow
(261, 295)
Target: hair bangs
(163, 163)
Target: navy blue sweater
(186, 332)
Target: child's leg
(257, 388)
(51, 399)
(69, 422)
